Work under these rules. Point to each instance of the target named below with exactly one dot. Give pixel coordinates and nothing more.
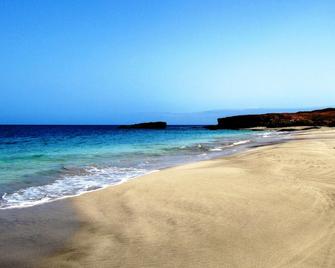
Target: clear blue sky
(106, 61)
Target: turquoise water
(42, 163)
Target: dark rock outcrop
(147, 125)
(325, 117)
(212, 127)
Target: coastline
(262, 207)
(267, 138)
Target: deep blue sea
(43, 163)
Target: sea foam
(93, 179)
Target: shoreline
(241, 148)
(266, 207)
(222, 212)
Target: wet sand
(29, 234)
(271, 206)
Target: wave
(217, 149)
(240, 142)
(95, 178)
(221, 148)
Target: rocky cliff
(325, 117)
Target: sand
(272, 206)
(29, 234)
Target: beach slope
(272, 206)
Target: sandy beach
(167, 134)
(271, 206)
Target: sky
(112, 62)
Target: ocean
(44, 163)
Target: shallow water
(43, 163)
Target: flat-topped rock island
(146, 125)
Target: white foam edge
(45, 201)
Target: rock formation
(147, 125)
(325, 117)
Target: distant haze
(197, 118)
(111, 62)
(203, 118)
